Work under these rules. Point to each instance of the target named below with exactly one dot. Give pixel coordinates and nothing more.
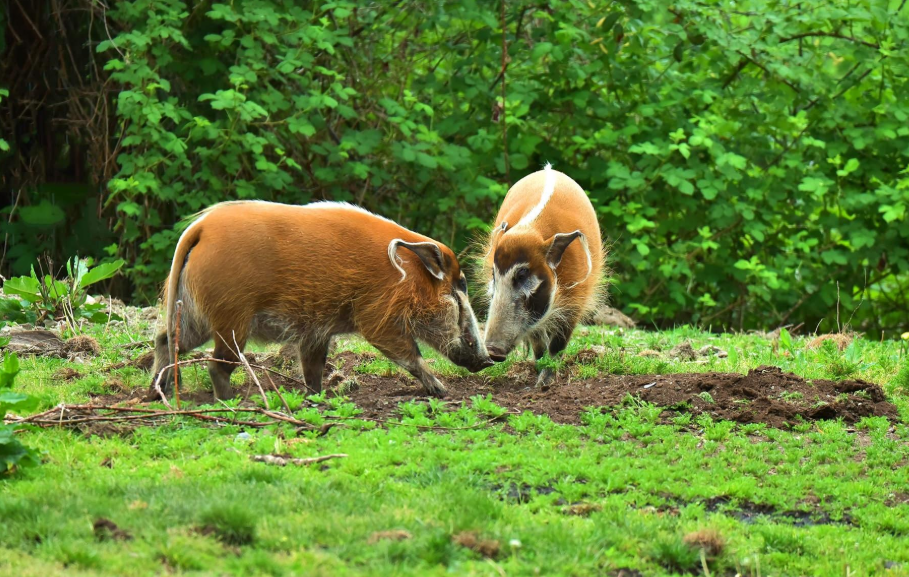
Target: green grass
(194, 503)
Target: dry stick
(704, 563)
(280, 396)
(121, 418)
(838, 328)
(157, 385)
(239, 364)
(249, 370)
(178, 308)
(206, 415)
(281, 461)
(203, 414)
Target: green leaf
(609, 21)
(17, 401)
(540, 50)
(851, 166)
(25, 287)
(43, 214)
(101, 272)
(785, 340)
(9, 368)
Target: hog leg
(225, 350)
(546, 375)
(557, 344)
(191, 336)
(312, 361)
(403, 351)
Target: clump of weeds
(230, 524)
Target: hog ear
(558, 244)
(494, 237)
(429, 253)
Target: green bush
(38, 296)
(13, 453)
(747, 163)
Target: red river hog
(302, 274)
(544, 266)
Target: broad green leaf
(43, 214)
(25, 287)
(101, 272)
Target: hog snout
(480, 365)
(474, 359)
(496, 352)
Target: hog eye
(521, 276)
(462, 285)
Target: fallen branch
(282, 461)
(64, 415)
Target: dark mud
(765, 395)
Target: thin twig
(177, 310)
(41, 419)
(249, 370)
(156, 386)
(830, 35)
(278, 392)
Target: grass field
(632, 490)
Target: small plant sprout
(706, 397)
(485, 406)
(785, 340)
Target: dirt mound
(606, 316)
(765, 395)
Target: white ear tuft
(394, 258)
(428, 252)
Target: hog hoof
(545, 379)
(438, 393)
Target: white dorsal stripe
(548, 189)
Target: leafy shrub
(13, 453)
(846, 364)
(44, 296)
(742, 160)
(900, 381)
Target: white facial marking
(548, 189)
(506, 323)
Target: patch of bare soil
(765, 395)
(105, 529)
(488, 548)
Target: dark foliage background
(748, 159)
